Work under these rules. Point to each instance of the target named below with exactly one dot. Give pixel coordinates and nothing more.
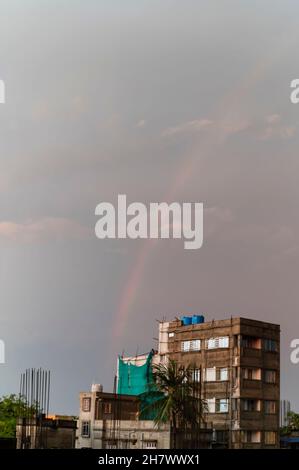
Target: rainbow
(227, 122)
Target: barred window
(150, 444)
(86, 404)
(196, 375)
(215, 343)
(85, 429)
(191, 345)
(107, 407)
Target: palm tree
(176, 399)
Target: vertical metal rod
(33, 405)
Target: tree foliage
(11, 407)
(178, 399)
(293, 421)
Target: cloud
(47, 228)
(188, 127)
(234, 126)
(270, 127)
(273, 119)
(228, 126)
(276, 129)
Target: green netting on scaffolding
(134, 379)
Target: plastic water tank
(97, 388)
(186, 320)
(196, 319)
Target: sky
(161, 101)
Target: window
(185, 346)
(85, 429)
(196, 375)
(270, 345)
(270, 376)
(111, 444)
(213, 374)
(221, 436)
(270, 437)
(211, 405)
(222, 374)
(192, 345)
(251, 436)
(251, 342)
(86, 404)
(150, 444)
(223, 342)
(210, 374)
(222, 405)
(211, 343)
(195, 345)
(251, 405)
(170, 335)
(217, 405)
(252, 374)
(270, 407)
(214, 343)
(107, 408)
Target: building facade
(237, 364)
(51, 432)
(111, 421)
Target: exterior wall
(54, 434)
(126, 435)
(237, 422)
(119, 429)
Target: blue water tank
(196, 319)
(186, 321)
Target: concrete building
(237, 363)
(51, 432)
(110, 420)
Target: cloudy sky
(160, 100)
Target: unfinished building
(112, 421)
(237, 364)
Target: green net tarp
(134, 380)
(138, 380)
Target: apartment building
(237, 363)
(112, 421)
